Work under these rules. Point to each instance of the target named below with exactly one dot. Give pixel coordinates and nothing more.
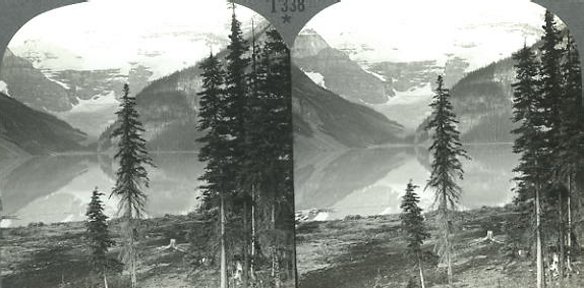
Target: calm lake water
(372, 181)
(58, 189)
(357, 182)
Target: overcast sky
(106, 32)
(111, 33)
(428, 29)
(128, 18)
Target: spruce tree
(551, 79)
(131, 176)
(446, 167)
(236, 86)
(267, 158)
(278, 125)
(252, 142)
(552, 96)
(215, 151)
(528, 111)
(413, 225)
(237, 113)
(98, 235)
(572, 132)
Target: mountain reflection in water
(355, 182)
(58, 188)
(372, 181)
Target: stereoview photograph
(147, 144)
(438, 144)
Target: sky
(129, 18)
(104, 34)
(108, 33)
(417, 30)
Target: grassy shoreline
(355, 252)
(369, 252)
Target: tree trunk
(223, 254)
(275, 258)
(422, 282)
(569, 226)
(105, 281)
(253, 234)
(295, 272)
(450, 274)
(245, 250)
(131, 250)
(1, 233)
(133, 278)
(562, 235)
(446, 223)
(539, 254)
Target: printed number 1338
(288, 5)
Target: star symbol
(286, 18)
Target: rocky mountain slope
(339, 73)
(31, 87)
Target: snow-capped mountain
(160, 53)
(87, 63)
(89, 74)
(399, 90)
(392, 67)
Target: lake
(58, 188)
(355, 182)
(372, 181)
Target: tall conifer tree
(572, 132)
(215, 152)
(446, 167)
(552, 96)
(278, 128)
(551, 79)
(236, 81)
(268, 162)
(528, 111)
(131, 176)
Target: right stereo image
(438, 144)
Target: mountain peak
(309, 43)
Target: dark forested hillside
(33, 131)
(482, 101)
(321, 116)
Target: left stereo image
(146, 144)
